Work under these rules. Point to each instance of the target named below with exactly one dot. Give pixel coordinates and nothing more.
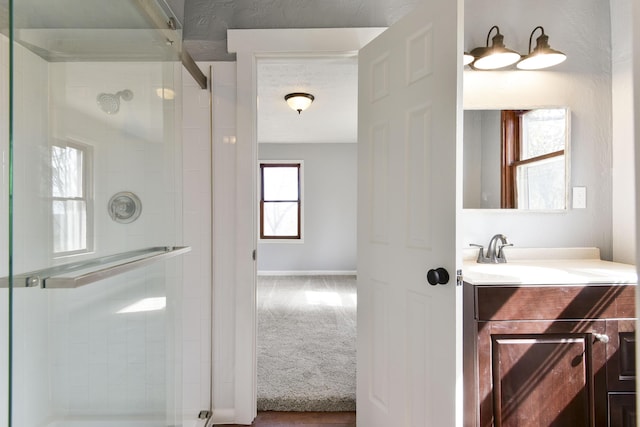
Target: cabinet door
(541, 374)
(621, 372)
(622, 410)
(621, 355)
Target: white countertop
(542, 266)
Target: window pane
(66, 172)
(69, 225)
(280, 219)
(541, 184)
(543, 131)
(280, 183)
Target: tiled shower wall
(74, 354)
(133, 149)
(106, 362)
(30, 308)
(207, 159)
(197, 263)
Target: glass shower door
(5, 294)
(93, 159)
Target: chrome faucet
(495, 252)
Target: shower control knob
(438, 276)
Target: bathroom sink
(530, 267)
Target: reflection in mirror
(516, 159)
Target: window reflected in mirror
(516, 159)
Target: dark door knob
(438, 276)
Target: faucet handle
(481, 252)
(481, 257)
(501, 257)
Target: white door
(409, 346)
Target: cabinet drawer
(549, 302)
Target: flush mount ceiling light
(496, 56)
(542, 55)
(299, 101)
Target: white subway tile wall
(196, 292)
(30, 307)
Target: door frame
(249, 46)
(635, 21)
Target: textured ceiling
(333, 81)
(206, 22)
(332, 117)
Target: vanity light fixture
(299, 101)
(496, 56)
(467, 58)
(542, 55)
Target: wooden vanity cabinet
(621, 373)
(551, 356)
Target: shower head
(110, 103)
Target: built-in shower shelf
(82, 273)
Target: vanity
(549, 339)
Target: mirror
(516, 159)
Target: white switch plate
(579, 197)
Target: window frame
(299, 164)
(87, 197)
(510, 156)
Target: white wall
(623, 203)
(581, 29)
(329, 204)
(481, 188)
(472, 161)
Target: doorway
(249, 45)
(306, 284)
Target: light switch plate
(579, 197)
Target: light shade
(542, 55)
(496, 56)
(467, 59)
(299, 101)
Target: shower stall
(90, 242)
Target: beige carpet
(307, 343)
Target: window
(533, 158)
(280, 201)
(71, 203)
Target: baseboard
(224, 416)
(192, 423)
(308, 273)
